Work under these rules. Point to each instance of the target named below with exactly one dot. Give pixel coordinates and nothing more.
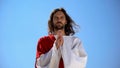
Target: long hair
(68, 27)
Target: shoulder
(76, 38)
(73, 38)
(47, 38)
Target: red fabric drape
(44, 45)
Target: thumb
(59, 33)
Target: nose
(59, 19)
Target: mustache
(59, 22)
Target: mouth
(59, 23)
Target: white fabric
(72, 52)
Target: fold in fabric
(72, 52)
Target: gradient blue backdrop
(23, 22)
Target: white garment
(72, 52)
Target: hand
(59, 40)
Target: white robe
(72, 52)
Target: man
(60, 49)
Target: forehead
(59, 13)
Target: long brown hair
(68, 27)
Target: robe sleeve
(78, 55)
(44, 58)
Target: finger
(59, 33)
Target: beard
(59, 26)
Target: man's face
(59, 20)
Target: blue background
(23, 22)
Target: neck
(62, 32)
